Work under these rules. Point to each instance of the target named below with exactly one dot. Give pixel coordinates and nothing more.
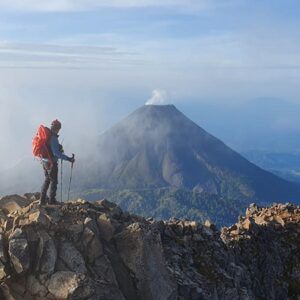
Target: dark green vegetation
(166, 203)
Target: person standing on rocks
(50, 164)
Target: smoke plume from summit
(159, 97)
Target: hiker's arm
(55, 149)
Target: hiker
(50, 164)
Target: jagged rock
(260, 220)
(9, 224)
(92, 225)
(104, 270)
(142, 252)
(53, 213)
(248, 224)
(87, 236)
(11, 207)
(39, 218)
(75, 231)
(210, 225)
(94, 249)
(63, 284)
(251, 209)
(19, 200)
(72, 257)
(17, 288)
(279, 220)
(95, 252)
(35, 288)
(32, 196)
(2, 217)
(47, 253)
(207, 231)
(2, 256)
(19, 251)
(106, 204)
(2, 271)
(5, 292)
(106, 227)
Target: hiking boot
(54, 202)
(43, 200)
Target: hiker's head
(55, 126)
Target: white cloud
(159, 97)
(28, 55)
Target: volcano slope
(159, 163)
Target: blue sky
(96, 61)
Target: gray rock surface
(18, 250)
(81, 250)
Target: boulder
(11, 207)
(261, 220)
(106, 204)
(19, 200)
(94, 250)
(252, 209)
(87, 236)
(279, 220)
(142, 253)
(210, 225)
(63, 284)
(35, 288)
(104, 270)
(92, 225)
(32, 196)
(47, 253)
(72, 257)
(39, 218)
(106, 228)
(18, 251)
(2, 217)
(2, 271)
(2, 255)
(247, 224)
(54, 213)
(74, 231)
(5, 292)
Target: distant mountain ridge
(285, 165)
(158, 146)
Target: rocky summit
(82, 250)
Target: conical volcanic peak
(158, 146)
(152, 117)
(159, 125)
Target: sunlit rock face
(83, 250)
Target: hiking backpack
(40, 147)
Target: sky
(91, 62)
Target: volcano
(158, 146)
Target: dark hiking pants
(51, 178)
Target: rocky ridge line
(83, 250)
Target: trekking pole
(73, 156)
(61, 180)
